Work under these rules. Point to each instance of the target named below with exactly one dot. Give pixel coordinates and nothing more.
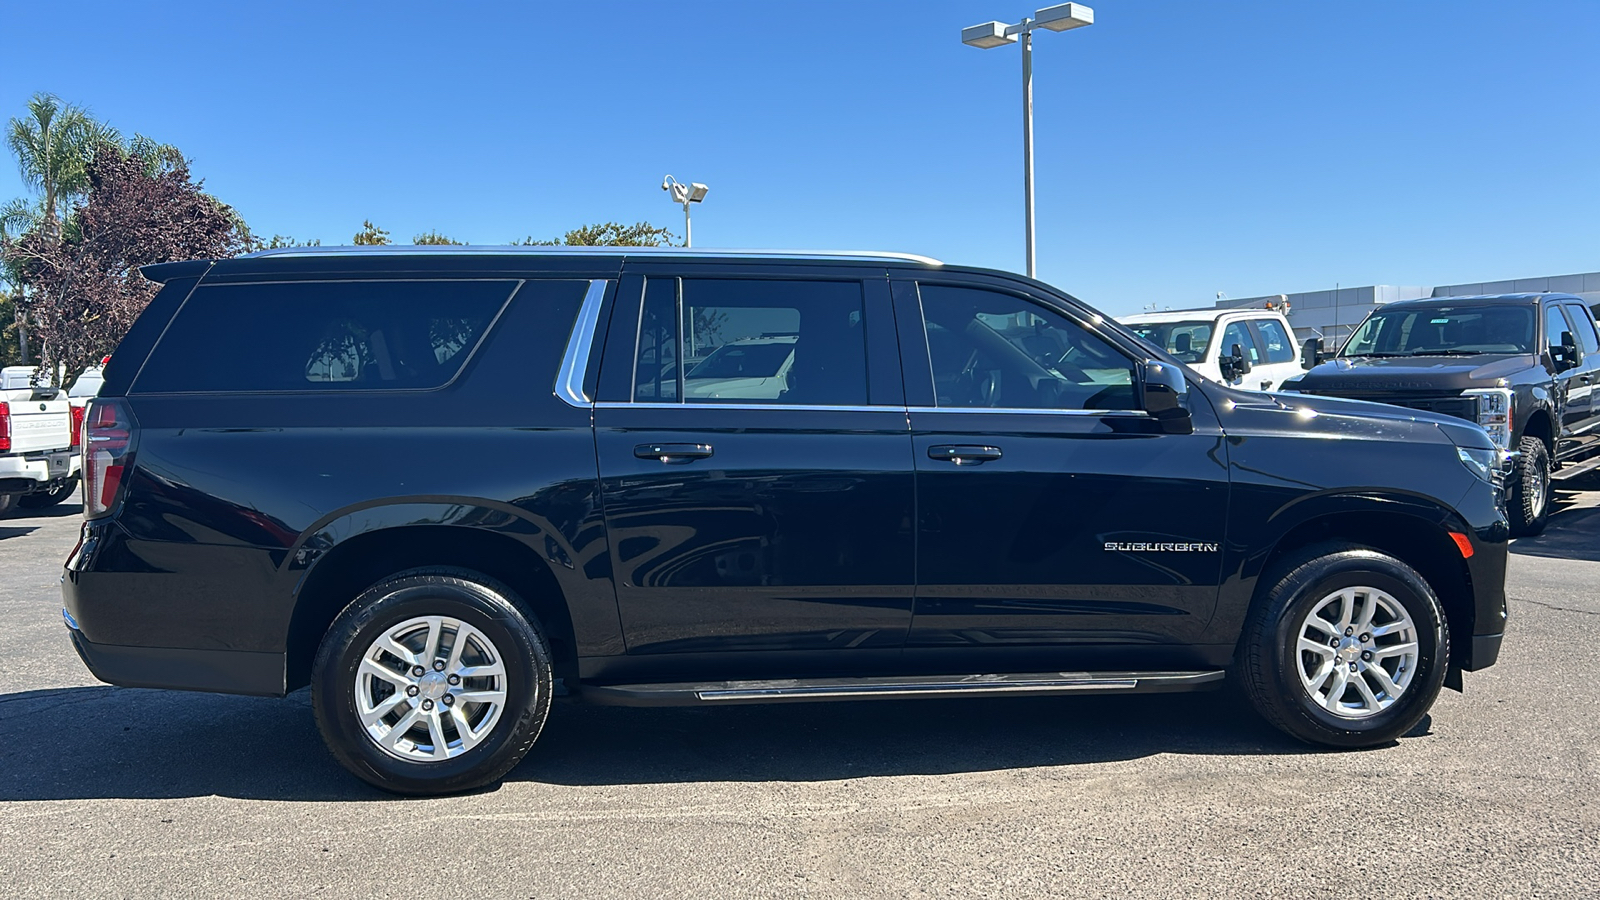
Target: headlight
(1494, 413)
(1483, 463)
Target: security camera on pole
(694, 192)
(997, 34)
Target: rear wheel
(432, 682)
(1529, 504)
(1347, 649)
(8, 502)
(42, 499)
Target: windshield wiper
(1364, 355)
(1444, 353)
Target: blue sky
(1183, 148)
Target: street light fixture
(694, 192)
(989, 35)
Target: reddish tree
(141, 209)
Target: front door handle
(964, 454)
(672, 453)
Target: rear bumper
(218, 671)
(34, 471)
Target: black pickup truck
(1523, 366)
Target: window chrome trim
(575, 361)
(1100, 413)
(783, 407)
(761, 407)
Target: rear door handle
(669, 453)
(964, 454)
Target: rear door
(755, 469)
(1058, 527)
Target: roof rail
(517, 250)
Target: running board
(1576, 469)
(895, 687)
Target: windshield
(1188, 341)
(744, 361)
(1444, 331)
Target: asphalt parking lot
(133, 793)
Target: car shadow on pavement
(106, 742)
(8, 532)
(1571, 534)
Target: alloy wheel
(430, 688)
(1356, 652)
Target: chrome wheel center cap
(1349, 650)
(432, 686)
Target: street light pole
(1064, 17)
(1027, 139)
(694, 192)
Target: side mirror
(1312, 353)
(1235, 364)
(1568, 356)
(1164, 394)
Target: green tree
(428, 238)
(609, 234)
(53, 144)
(277, 242)
(371, 235)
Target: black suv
(1520, 365)
(442, 487)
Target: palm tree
(53, 145)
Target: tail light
(77, 424)
(108, 440)
(5, 427)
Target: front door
(1058, 527)
(755, 470)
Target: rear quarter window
(323, 336)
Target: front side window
(1444, 331)
(1001, 351)
(1278, 345)
(1555, 324)
(736, 341)
(323, 336)
(1584, 326)
(1239, 333)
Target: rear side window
(751, 342)
(323, 336)
(1275, 341)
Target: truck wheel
(1529, 503)
(43, 499)
(432, 682)
(1348, 648)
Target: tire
(8, 502)
(1529, 503)
(45, 499)
(496, 627)
(1275, 669)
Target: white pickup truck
(38, 442)
(1248, 348)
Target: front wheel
(1529, 504)
(432, 682)
(1347, 649)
